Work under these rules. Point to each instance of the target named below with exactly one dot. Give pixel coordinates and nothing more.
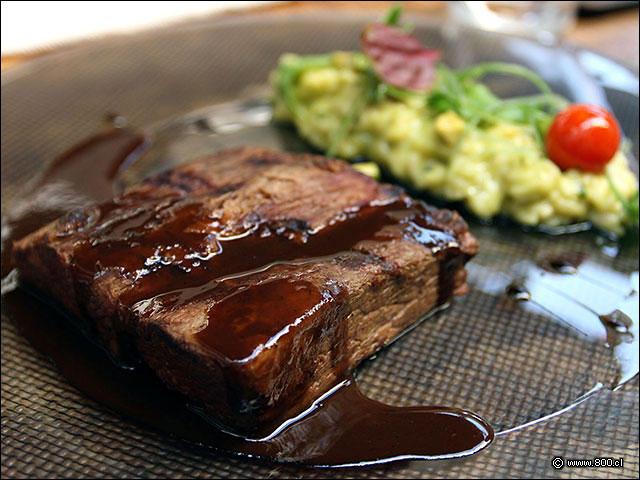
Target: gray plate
(512, 363)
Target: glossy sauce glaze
(341, 428)
(177, 242)
(257, 316)
(82, 175)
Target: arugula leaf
(481, 69)
(461, 92)
(393, 15)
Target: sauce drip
(517, 292)
(618, 325)
(84, 174)
(343, 427)
(566, 263)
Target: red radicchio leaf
(399, 58)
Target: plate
(514, 363)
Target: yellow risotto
(499, 168)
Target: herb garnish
(395, 65)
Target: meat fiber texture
(121, 270)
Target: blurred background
(32, 28)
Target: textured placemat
(508, 364)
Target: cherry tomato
(584, 137)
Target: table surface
(614, 34)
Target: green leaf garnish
(482, 69)
(393, 15)
(461, 92)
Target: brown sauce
(343, 428)
(618, 325)
(517, 292)
(82, 175)
(252, 319)
(565, 263)
(176, 242)
(574, 298)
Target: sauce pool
(342, 428)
